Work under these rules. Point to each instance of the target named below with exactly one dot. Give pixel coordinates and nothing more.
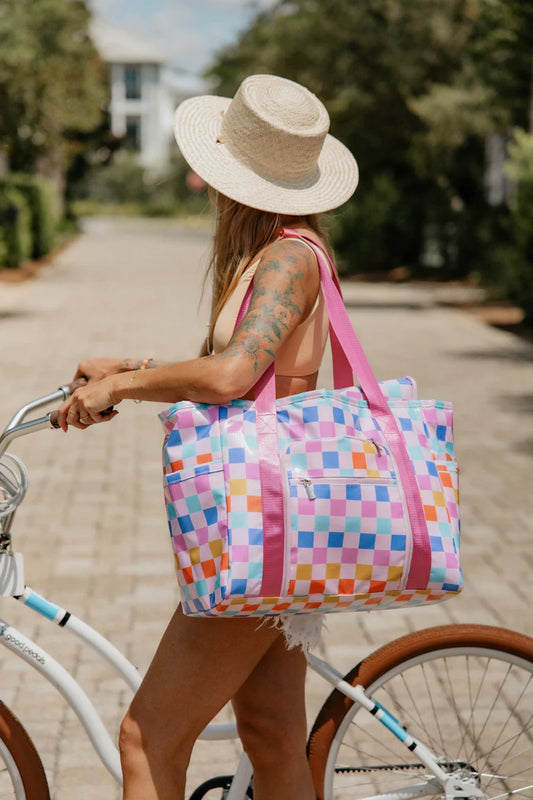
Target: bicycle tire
(420, 679)
(22, 775)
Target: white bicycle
(446, 712)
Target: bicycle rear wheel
(465, 691)
(22, 775)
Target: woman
(272, 164)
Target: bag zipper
(309, 483)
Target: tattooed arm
(94, 369)
(286, 285)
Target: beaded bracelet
(144, 364)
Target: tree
(515, 257)
(52, 82)
(412, 88)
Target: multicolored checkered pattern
(196, 504)
(348, 541)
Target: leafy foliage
(15, 232)
(43, 206)
(412, 87)
(52, 81)
(516, 259)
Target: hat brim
(197, 125)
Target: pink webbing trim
(269, 472)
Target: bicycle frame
(30, 652)
(12, 584)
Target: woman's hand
(94, 369)
(90, 404)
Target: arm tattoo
(277, 304)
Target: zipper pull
(379, 447)
(308, 483)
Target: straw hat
(268, 147)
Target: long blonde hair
(241, 232)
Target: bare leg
(270, 711)
(183, 690)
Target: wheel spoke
(440, 736)
(512, 741)
(475, 744)
(468, 701)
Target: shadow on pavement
(525, 447)
(522, 404)
(519, 404)
(378, 306)
(499, 354)
(521, 330)
(13, 313)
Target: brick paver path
(93, 529)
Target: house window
(132, 79)
(133, 132)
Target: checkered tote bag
(329, 500)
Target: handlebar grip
(68, 389)
(54, 416)
(54, 419)
(77, 384)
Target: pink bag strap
(342, 371)
(269, 473)
(346, 349)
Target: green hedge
(15, 227)
(516, 260)
(40, 196)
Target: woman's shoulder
(289, 268)
(290, 254)
(286, 259)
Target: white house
(144, 93)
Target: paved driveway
(93, 529)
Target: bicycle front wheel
(465, 691)
(22, 776)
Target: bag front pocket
(197, 516)
(439, 491)
(345, 526)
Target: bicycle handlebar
(55, 397)
(17, 427)
(70, 389)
